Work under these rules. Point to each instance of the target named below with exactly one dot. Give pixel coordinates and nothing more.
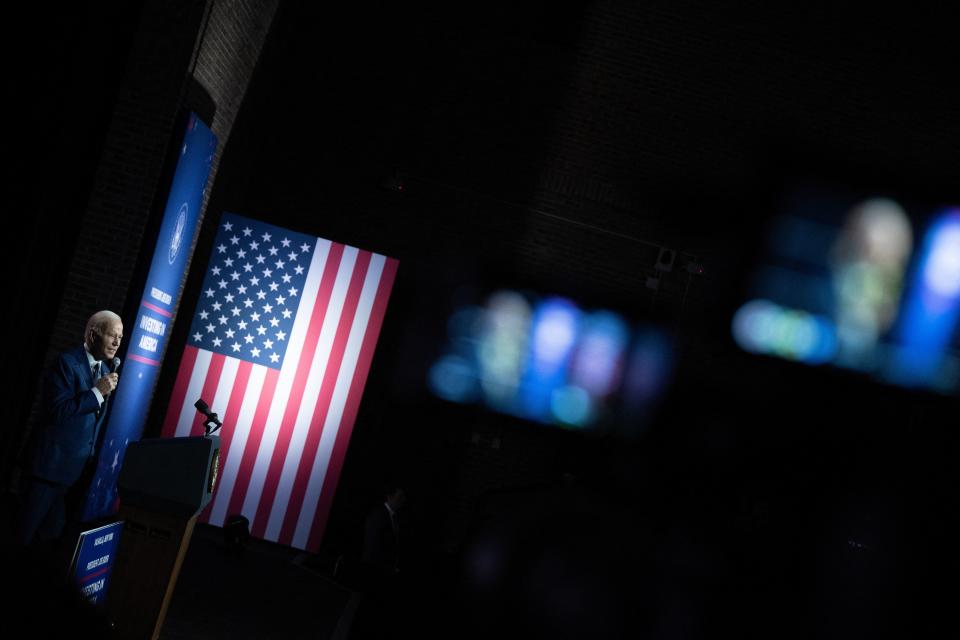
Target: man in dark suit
(381, 539)
(64, 447)
(380, 601)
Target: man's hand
(107, 383)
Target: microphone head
(116, 363)
(202, 406)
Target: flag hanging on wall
(280, 346)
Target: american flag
(279, 347)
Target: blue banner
(93, 560)
(158, 303)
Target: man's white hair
(100, 321)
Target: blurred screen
(546, 359)
(860, 281)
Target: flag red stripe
(352, 406)
(308, 452)
(258, 524)
(230, 414)
(210, 384)
(179, 391)
(252, 445)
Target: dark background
(559, 148)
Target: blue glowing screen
(547, 359)
(864, 282)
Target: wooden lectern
(163, 486)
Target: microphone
(116, 364)
(212, 418)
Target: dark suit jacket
(380, 542)
(67, 437)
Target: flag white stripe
(338, 400)
(285, 381)
(311, 392)
(194, 389)
(239, 434)
(222, 395)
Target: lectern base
(152, 549)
